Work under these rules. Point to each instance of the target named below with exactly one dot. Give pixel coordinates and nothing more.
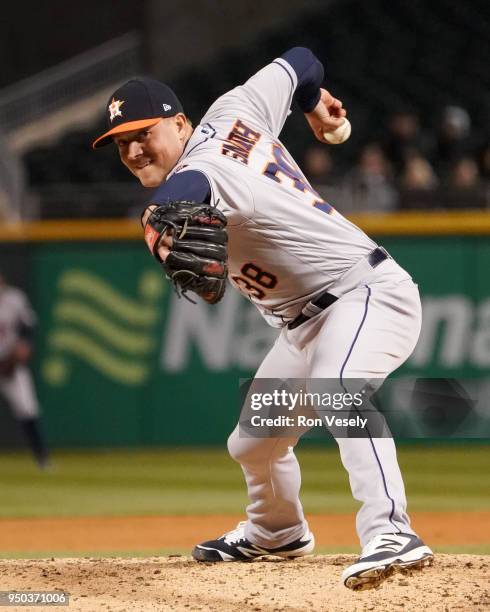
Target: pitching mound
(454, 582)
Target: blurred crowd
(402, 166)
(408, 167)
(433, 152)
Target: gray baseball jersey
(286, 244)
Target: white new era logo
(166, 107)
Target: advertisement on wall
(122, 360)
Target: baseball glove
(197, 259)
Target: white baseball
(340, 135)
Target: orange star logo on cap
(114, 108)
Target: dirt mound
(454, 582)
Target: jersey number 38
(253, 280)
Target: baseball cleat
(384, 554)
(234, 546)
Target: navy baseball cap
(137, 104)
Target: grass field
(206, 481)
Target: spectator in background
(418, 174)
(453, 139)
(464, 174)
(318, 165)
(17, 321)
(319, 170)
(463, 186)
(369, 186)
(417, 183)
(404, 137)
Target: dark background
(380, 57)
(38, 35)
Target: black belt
(327, 299)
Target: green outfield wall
(120, 360)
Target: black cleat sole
(373, 578)
(201, 554)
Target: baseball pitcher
(231, 203)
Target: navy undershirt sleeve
(189, 185)
(310, 73)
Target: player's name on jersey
(240, 142)
(302, 420)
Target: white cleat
(384, 554)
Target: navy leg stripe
(366, 306)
